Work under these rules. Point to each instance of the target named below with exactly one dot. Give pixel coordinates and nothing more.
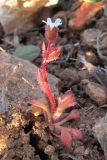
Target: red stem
(49, 91)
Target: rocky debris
(89, 37)
(101, 23)
(17, 85)
(49, 150)
(73, 76)
(91, 57)
(95, 91)
(69, 74)
(83, 74)
(97, 72)
(79, 150)
(18, 81)
(54, 157)
(13, 141)
(19, 14)
(100, 132)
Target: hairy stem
(49, 91)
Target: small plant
(54, 113)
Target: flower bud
(51, 29)
(51, 34)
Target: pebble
(100, 132)
(49, 150)
(95, 91)
(89, 37)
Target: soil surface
(32, 140)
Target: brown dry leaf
(84, 13)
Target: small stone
(70, 74)
(2, 122)
(79, 150)
(100, 132)
(95, 91)
(37, 157)
(22, 84)
(49, 150)
(18, 84)
(82, 125)
(54, 157)
(13, 11)
(86, 152)
(3, 144)
(89, 37)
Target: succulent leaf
(39, 104)
(28, 52)
(66, 137)
(54, 55)
(64, 101)
(77, 134)
(74, 114)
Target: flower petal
(44, 21)
(49, 21)
(53, 24)
(57, 22)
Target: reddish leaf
(86, 11)
(41, 105)
(53, 55)
(75, 114)
(77, 134)
(64, 101)
(68, 129)
(66, 137)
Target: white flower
(53, 24)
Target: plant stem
(49, 91)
